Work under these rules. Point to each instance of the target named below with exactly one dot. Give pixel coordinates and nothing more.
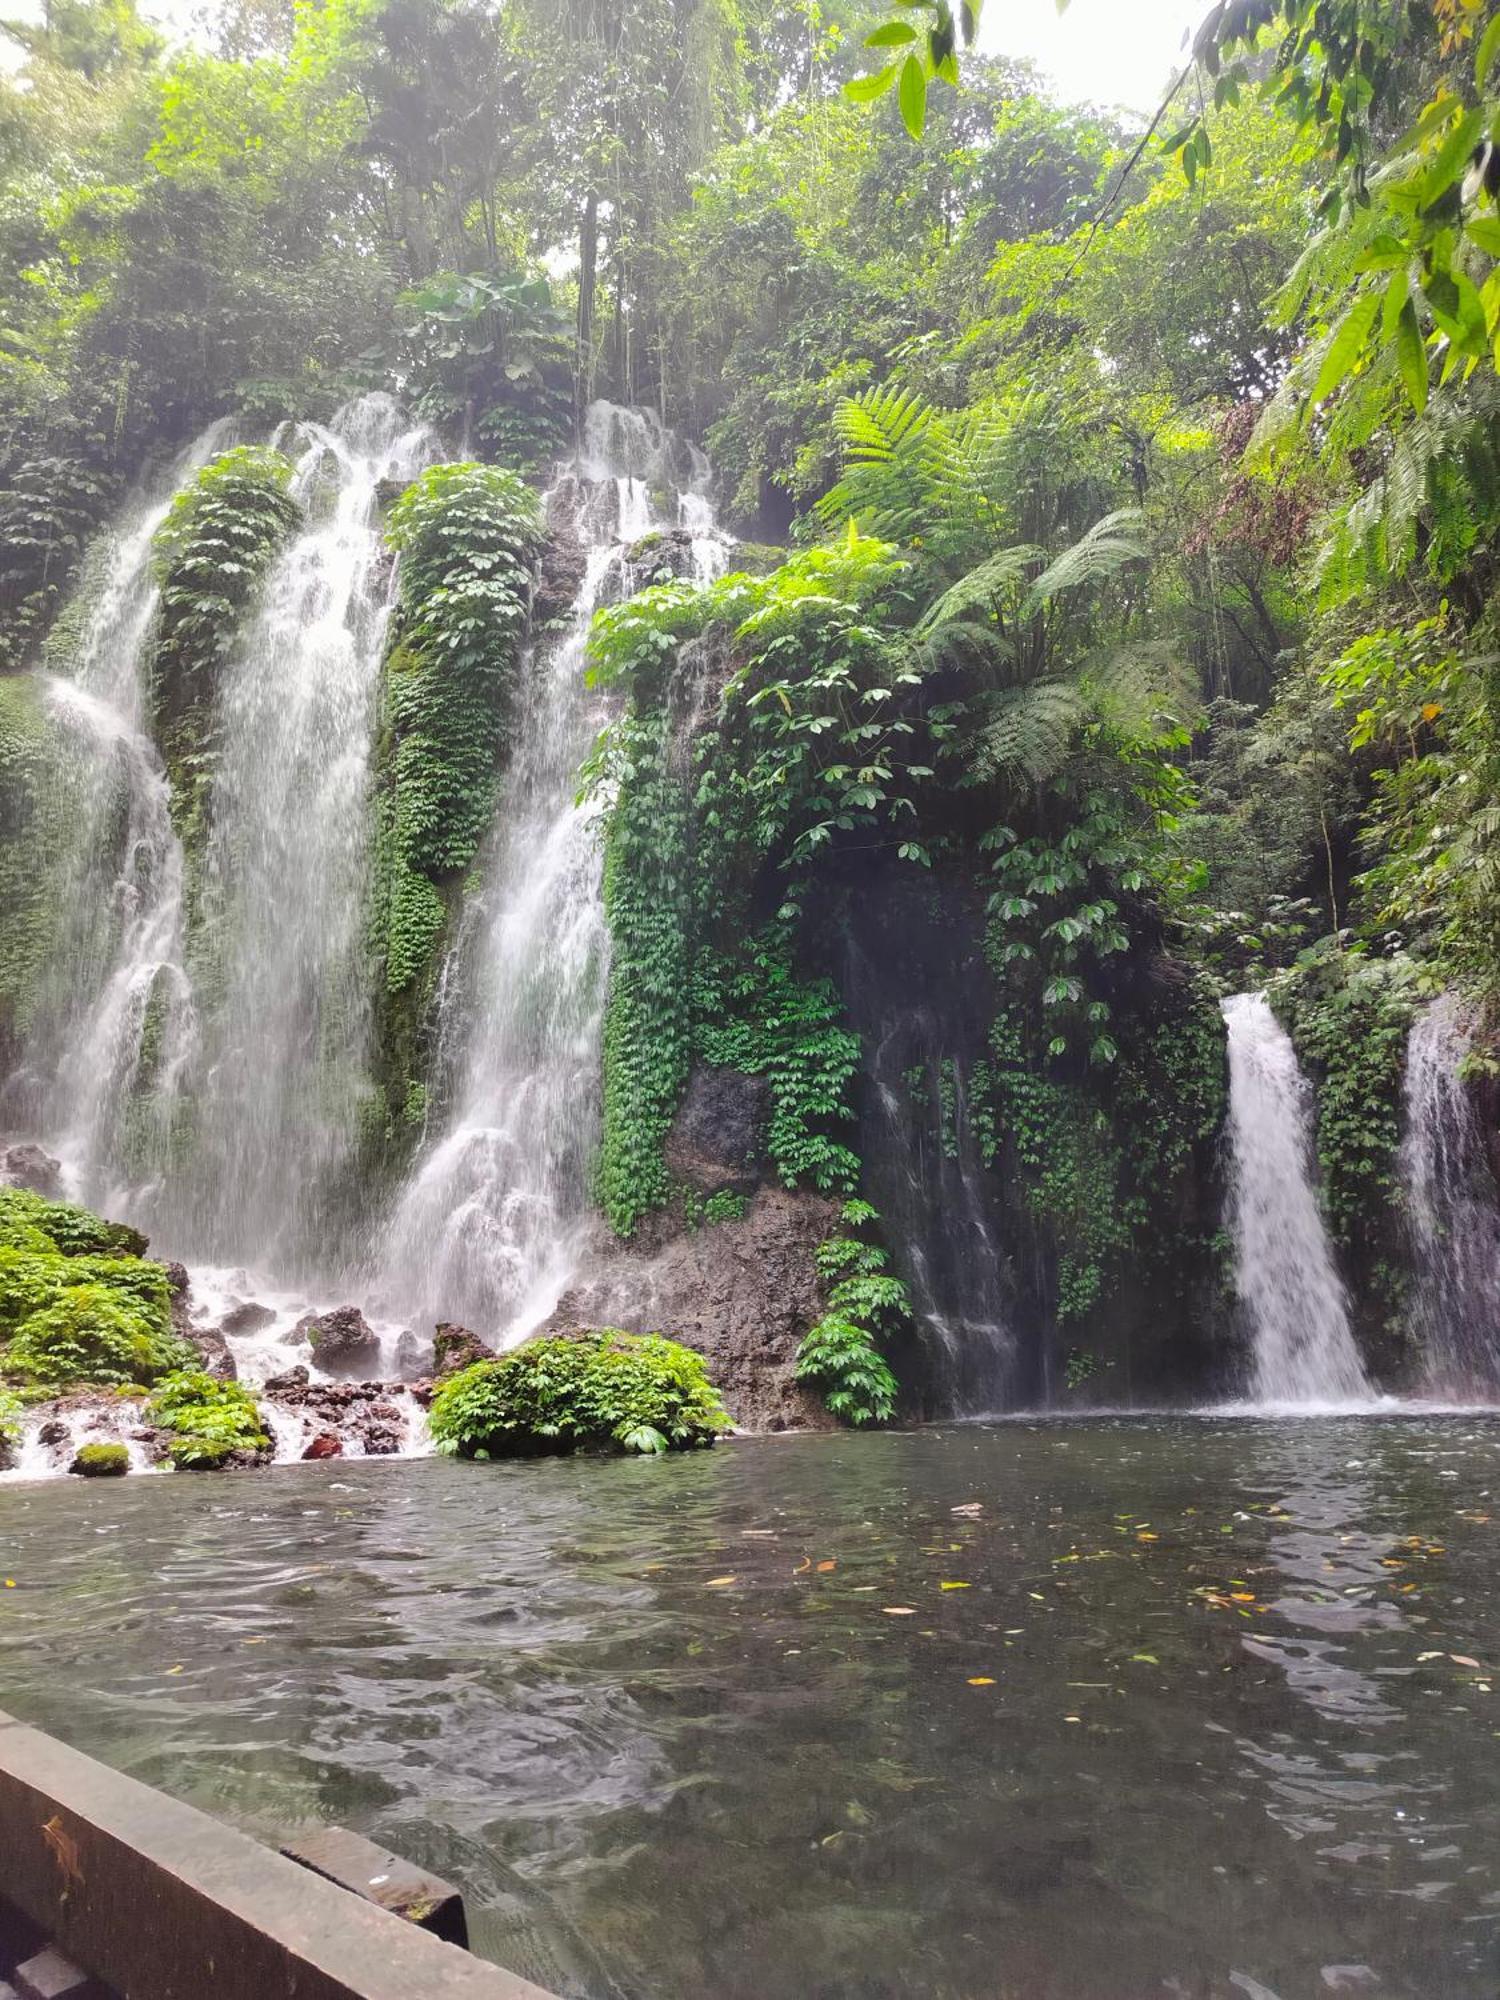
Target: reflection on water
(1193, 1708)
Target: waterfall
(280, 1072)
(492, 1225)
(1453, 1209)
(1302, 1347)
(118, 1021)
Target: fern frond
(979, 592)
(1028, 732)
(1106, 549)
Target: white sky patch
(1108, 52)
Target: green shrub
(74, 1232)
(210, 1420)
(30, 1280)
(596, 1391)
(11, 1408)
(91, 1333)
(101, 1461)
(841, 1353)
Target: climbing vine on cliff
(467, 536)
(212, 551)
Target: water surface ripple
(1209, 1716)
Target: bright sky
(1102, 51)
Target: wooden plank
(397, 1885)
(163, 1903)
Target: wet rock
(27, 1166)
(743, 1293)
(344, 1342)
(327, 1444)
(178, 1281)
(247, 1317)
(380, 1440)
(214, 1352)
(717, 1140)
(660, 557)
(563, 563)
(302, 1333)
(412, 1360)
(290, 1388)
(454, 1347)
(53, 1432)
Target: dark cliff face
(984, 1264)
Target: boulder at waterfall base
(344, 1343)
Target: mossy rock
(101, 1461)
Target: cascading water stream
(1453, 1210)
(492, 1225)
(280, 1072)
(120, 1003)
(1302, 1348)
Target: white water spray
(281, 1073)
(119, 1018)
(1303, 1349)
(491, 1228)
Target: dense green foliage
(90, 1333)
(33, 835)
(209, 1420)
(603, 1391)
(30, 1222)
(1134, 491)
(78, 1301)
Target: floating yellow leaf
(899, 1610)
(717, 1582)
(174, 1670)
(1072, 1718)
(1463, 1660)
(824, 1567)
(1242, 1596)
(955, 1586)
(10, 1583)
(981, 1680)
(1149, 1659)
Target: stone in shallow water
(249, 1316)
(344, 1342)
(327, 1444)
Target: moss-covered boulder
(78, 1301)
(605, 1391)
(101, 1461)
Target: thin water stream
(1205, 1708)
(1302, 1347)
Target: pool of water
(1068, 1711)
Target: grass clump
(606, 1391)
(209, 1420)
